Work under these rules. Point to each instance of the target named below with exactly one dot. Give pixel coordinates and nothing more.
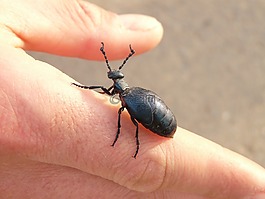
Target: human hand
(55, 139)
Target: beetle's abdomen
(149, 110)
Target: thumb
(76, 28)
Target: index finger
(75, 128)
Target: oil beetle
(144, 106)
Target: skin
(53, 143)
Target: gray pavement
(209, 67)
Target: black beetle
(143, 105)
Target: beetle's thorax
(120, 85)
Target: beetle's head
(115, 74)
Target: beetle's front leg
(105, 90)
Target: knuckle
(147, 177)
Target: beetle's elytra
(144, 106)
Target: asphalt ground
(209, 67)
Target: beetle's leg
(119, 125)
(105, 90)
(136, 137)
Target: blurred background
(209, 67)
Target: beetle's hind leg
(104, 90)
(136, 137)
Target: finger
(218, 172)
(59, 124)
(29, 179)
(22, 178)
(76, 28)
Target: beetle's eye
(120, 76)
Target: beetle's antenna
(105, 56)
(126, 59)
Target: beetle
(144, 106)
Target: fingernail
(139, 22)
